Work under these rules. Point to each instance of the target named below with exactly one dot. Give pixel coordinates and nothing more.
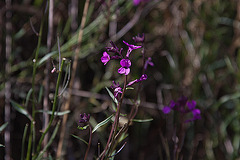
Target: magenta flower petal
(130, 48)
(191, 104)
(166, 109)
(116, 91)
(136, 2)
(105, 58)
(126, 63)
(121, 70)
(127, 71)
(143, 77)
(132, 82)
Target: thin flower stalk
(35, 60)
(54, 106)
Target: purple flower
(166, 109)
(105, 58)
(196, 115)
(84, 118)
(191, 105)
(142, 78)
(125, 63)
(183, 106)
(114, 49)
(139, 38)
(117, 89)
(148, 62)
(130, 48)
(136, 2)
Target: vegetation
(176, 96)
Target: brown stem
(89, 142)
(116, 121)
(47, 72)
(8, 83)
(74, 68)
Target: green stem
(115, 123)
(33, 90)
(54, 106)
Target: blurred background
(194, 45)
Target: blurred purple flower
(139, 38)
(84, 118)
(184, 106)
(148, 62)
(117, 89)
(137, 2)
(130, 48)
(105, 58)
(191, 104)
(125, 63)
(142, 78)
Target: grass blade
(3, 126)
(23, 141)
(20, 109)
(102, 123)
(80, 139)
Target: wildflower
(183, 106)
(114, 49)
(139, 38)
(142, 78)
(167, 109)
(130, 48)
(105, 58)
(84, 118)
(125, 63)
(117, 89)
(148, 62)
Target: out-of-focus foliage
(194, 45)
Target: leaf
(80, 139)
(49, 142)
(55, 113)
(20, 109)
(3, 126)
(28, 96)
(142, 120)
(102, 123)
(83, 128)
(112, 96)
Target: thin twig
(47, 71)
(8, 82)
(89, 142)
(74, 68)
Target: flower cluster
(125, 62)
(183, 105)
(84, 118)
